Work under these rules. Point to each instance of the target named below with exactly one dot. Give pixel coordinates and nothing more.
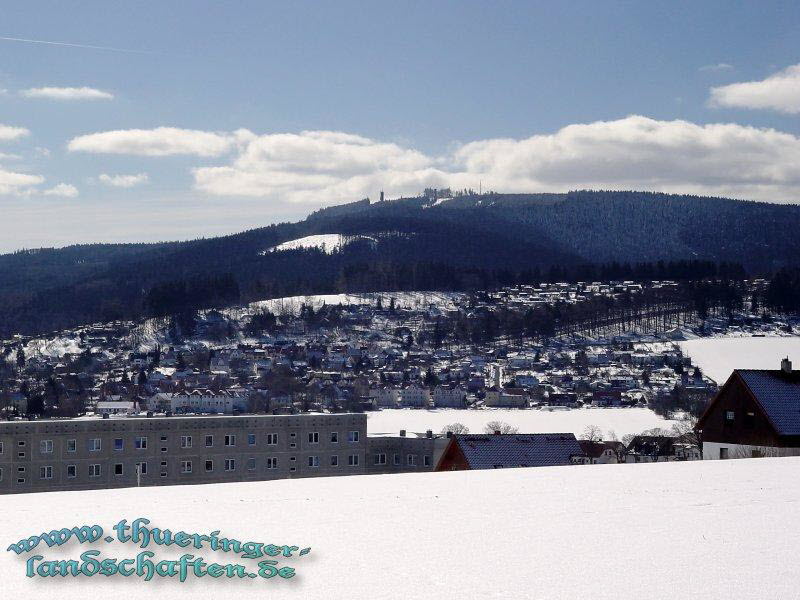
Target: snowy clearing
(327, 242)
(415, 300)
(706, 530)
(719, 356)
(619, 420)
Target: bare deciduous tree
(458, 428)
(501, 426)
(592, 433)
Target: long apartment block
(124, 452)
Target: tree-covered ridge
(469, 241)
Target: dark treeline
(783, 292)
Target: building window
(427, 461)
(352, 436)
(230, 440)
(292, 469)
(251, 464)
(1, 447)
(94, 445)
(313, 461)
(251, 439)
(272, 462)
(352, 460)
(20, 455)
(46, 446)
(380, 459)
(72, 445)
(209, 466)
(163, 474)
(72, 471)
(141, 443)
(292, 445)
(411, 460)
(186, 466)
(141, 468)
(749, 420)
(729, 415)
(46, 472)
(94, 470)
(163, 438)
(118, 469)
(334, 461)
(21, 443)
(209, 441)
(186, 441)
(230, 464)
(163, 463)
(20, 480)
(334, 437)
(272, 439)
(118, 444)
(723, 453)
(396, 460)
(313, 437)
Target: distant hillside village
(290, 378)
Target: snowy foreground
(719, 356)
(619, 420)
(706, 530)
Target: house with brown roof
(756, 413)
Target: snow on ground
(327, 242)
(619, 420)
(719, 356)
(696, 530)
(416, 300)
(55, 347)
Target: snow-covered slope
(705, 530)
(327, 242)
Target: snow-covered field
(327, 242)
(417, 300)
(705, 530)
(619, 420)
(719, 356)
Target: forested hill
(465, 242)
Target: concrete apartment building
(99, 453)
(404, 453)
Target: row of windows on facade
(411, 460)
(95, 470)
(140, 442)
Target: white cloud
(780, 92)
(162, 141)
(7, 156)
(67, 93)
(124, 181)
(321, 167)
(9, 133)
(65, 190)
(12, 183)
(716, 67)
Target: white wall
(711, 450)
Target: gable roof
(778, 393)
(518, 450)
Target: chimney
(786, 365)
(402, 433)
(449, 434)
(429, 434)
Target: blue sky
(209, 118)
